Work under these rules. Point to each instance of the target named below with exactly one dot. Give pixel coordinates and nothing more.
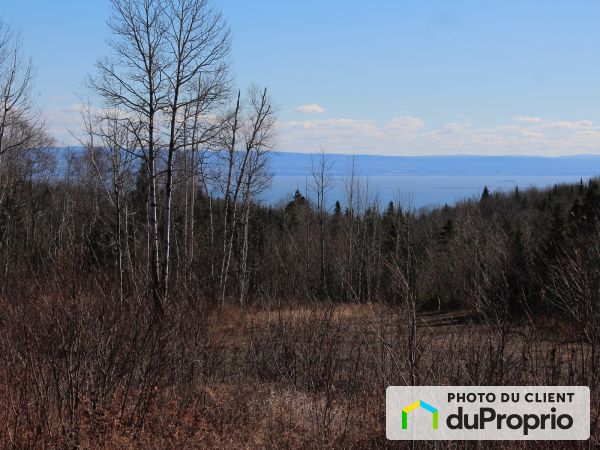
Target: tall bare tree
(132, 80)
(196, 69)
(23, 136)
(321, 185)
(166, 57)
(20, 126)
(108, 144)
(247, 138)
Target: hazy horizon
(427, 181)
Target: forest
(149, 299)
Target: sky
(381, 77)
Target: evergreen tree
(335, 220)
(390, 209)
(297, 201)
(485, 195)
(389, 227)
(446, 233)
(591, 202)
(580, 187)
(294, 208)
(558, 227)
(337, 210)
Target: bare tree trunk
(153, 235)
(226, 226)
(119, 239)
(166, 237)
(321, 185)
(244, 258)
(192, 213)
(257, 136)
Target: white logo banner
(487, 413)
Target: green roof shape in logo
(422, 404)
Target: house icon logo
(425, 406)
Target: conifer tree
(485, 195)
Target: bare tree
(109, 145)
(132, 80)
(255, 181)
(196, 69)
(166, 57)
(23, 136)
(200, 129)
(20, 126)
(247, 137)
(321, 185)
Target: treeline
(516, 253)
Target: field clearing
(300, 376)
(321, 372)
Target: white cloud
(65, 124)
(527, 119)
(551, 123)
(62, 121)
(408, 135)
(405, 124)
(311, 108)
(568, 125)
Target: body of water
(419, 190)
(422, 181)
(426, 181)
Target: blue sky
(381, 77)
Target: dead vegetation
(309, 376)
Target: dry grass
(294, 377)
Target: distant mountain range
(299, 164)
